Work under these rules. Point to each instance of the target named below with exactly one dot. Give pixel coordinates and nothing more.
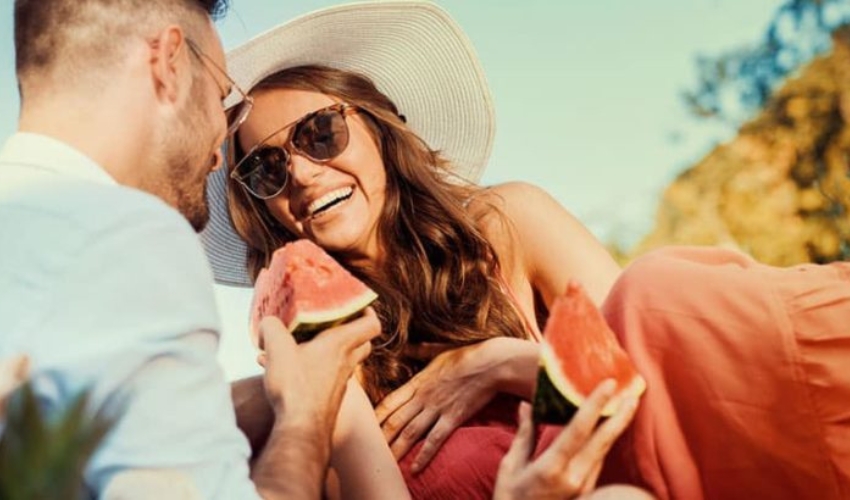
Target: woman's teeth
(329, 200)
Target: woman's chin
(333, 241)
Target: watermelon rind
(556, 400)
(550, 406)
(306, 325)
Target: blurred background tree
(732, 86)
(780, 189)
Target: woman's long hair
(438, 279)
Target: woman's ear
(167, 50)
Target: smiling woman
(379, 167)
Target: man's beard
(188, 163)
(189, 191)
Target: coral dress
(748, 377)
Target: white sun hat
(413, 51)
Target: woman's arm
(361, 465)
(540, 243)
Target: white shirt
(107, 287)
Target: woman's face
(336, 203)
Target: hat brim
(414, 52)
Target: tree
(733, 85)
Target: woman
(747, 385)
(461, 270)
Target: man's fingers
(360, 353)
(275, 338)
(412, 432)
(355, 332)
(365, 328)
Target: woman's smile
(329, 202)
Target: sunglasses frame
(290, 148)
(238, 113)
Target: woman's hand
(455, 385)
(571, 464)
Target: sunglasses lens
(264, 171)
(322, 136)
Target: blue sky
(586, 96)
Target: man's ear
(166, 51)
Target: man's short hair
(66, 35)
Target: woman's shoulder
(501, 211)
(514, 200)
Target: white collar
(40, 151)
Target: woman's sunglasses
(321, 136)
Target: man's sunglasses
(321, 136)
(237, 114)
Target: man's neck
(107, 131)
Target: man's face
(191, 145)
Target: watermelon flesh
(308, 290)
(577, 353)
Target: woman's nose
(303, 170)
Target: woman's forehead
(286, 103)
(275, 108)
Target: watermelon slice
(308, 290)
(578, 352)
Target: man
(103, 282)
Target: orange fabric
(748, 377)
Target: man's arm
(254, 413)
(304, 385)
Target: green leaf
(43, 455)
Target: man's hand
(304, 384)
(571, 465)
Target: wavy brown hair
(438, 280)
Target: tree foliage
(733, 85)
